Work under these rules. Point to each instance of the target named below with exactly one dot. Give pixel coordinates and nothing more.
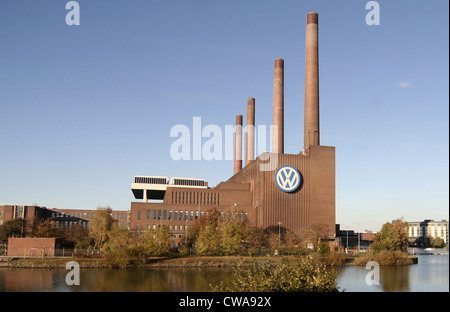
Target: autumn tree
(100, 225)
(157, 242)
(392, 237)
(314, 234)
(77, 236)
(45, 228)
(13, 228)
(231, 230)
(208, 240)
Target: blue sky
(85, 108)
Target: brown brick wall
(31, 247)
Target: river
(431, 274)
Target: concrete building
(276, 189)
(421, 233)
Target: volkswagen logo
(287, 178)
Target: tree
(77, 236)
(157, 242)
(392, 237)
(45, 229)
(13, 228)
(254, 239)
(100, 224)
(231, 231)
(314, 234)
(438, 242)
(208, 241)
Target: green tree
(392, 237)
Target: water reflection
(431, 274)
(149, 280)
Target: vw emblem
(287, 178)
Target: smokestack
(312, 130)
(238, 145)
(278, 108)
(250, 141)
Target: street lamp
(279, 236)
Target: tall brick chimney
(250, 140)
(278, 107)
(312, 130)
(238, 145)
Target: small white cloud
(404, 84)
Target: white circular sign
(287, 178)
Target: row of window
(87, 215)
(171, 228)
(195, 198)
(151, 180)
(160, 214)
(67, 224)
(73, 214)
(188, 182)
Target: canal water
(431, 274)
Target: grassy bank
(194, 262)
(383, 258)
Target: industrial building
(295, 193)
(274, 189)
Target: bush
(384, 257)
(290, 275)
(126, 257)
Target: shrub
(289, 275)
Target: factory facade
(275, 189)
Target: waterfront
(431, 274)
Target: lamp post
(279, 236)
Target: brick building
(275, 189)
(62, 218)
(32, 247)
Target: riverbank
(205, 261)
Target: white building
(418, 232)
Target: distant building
(62, 218)
(420, 233)
(351, 240)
